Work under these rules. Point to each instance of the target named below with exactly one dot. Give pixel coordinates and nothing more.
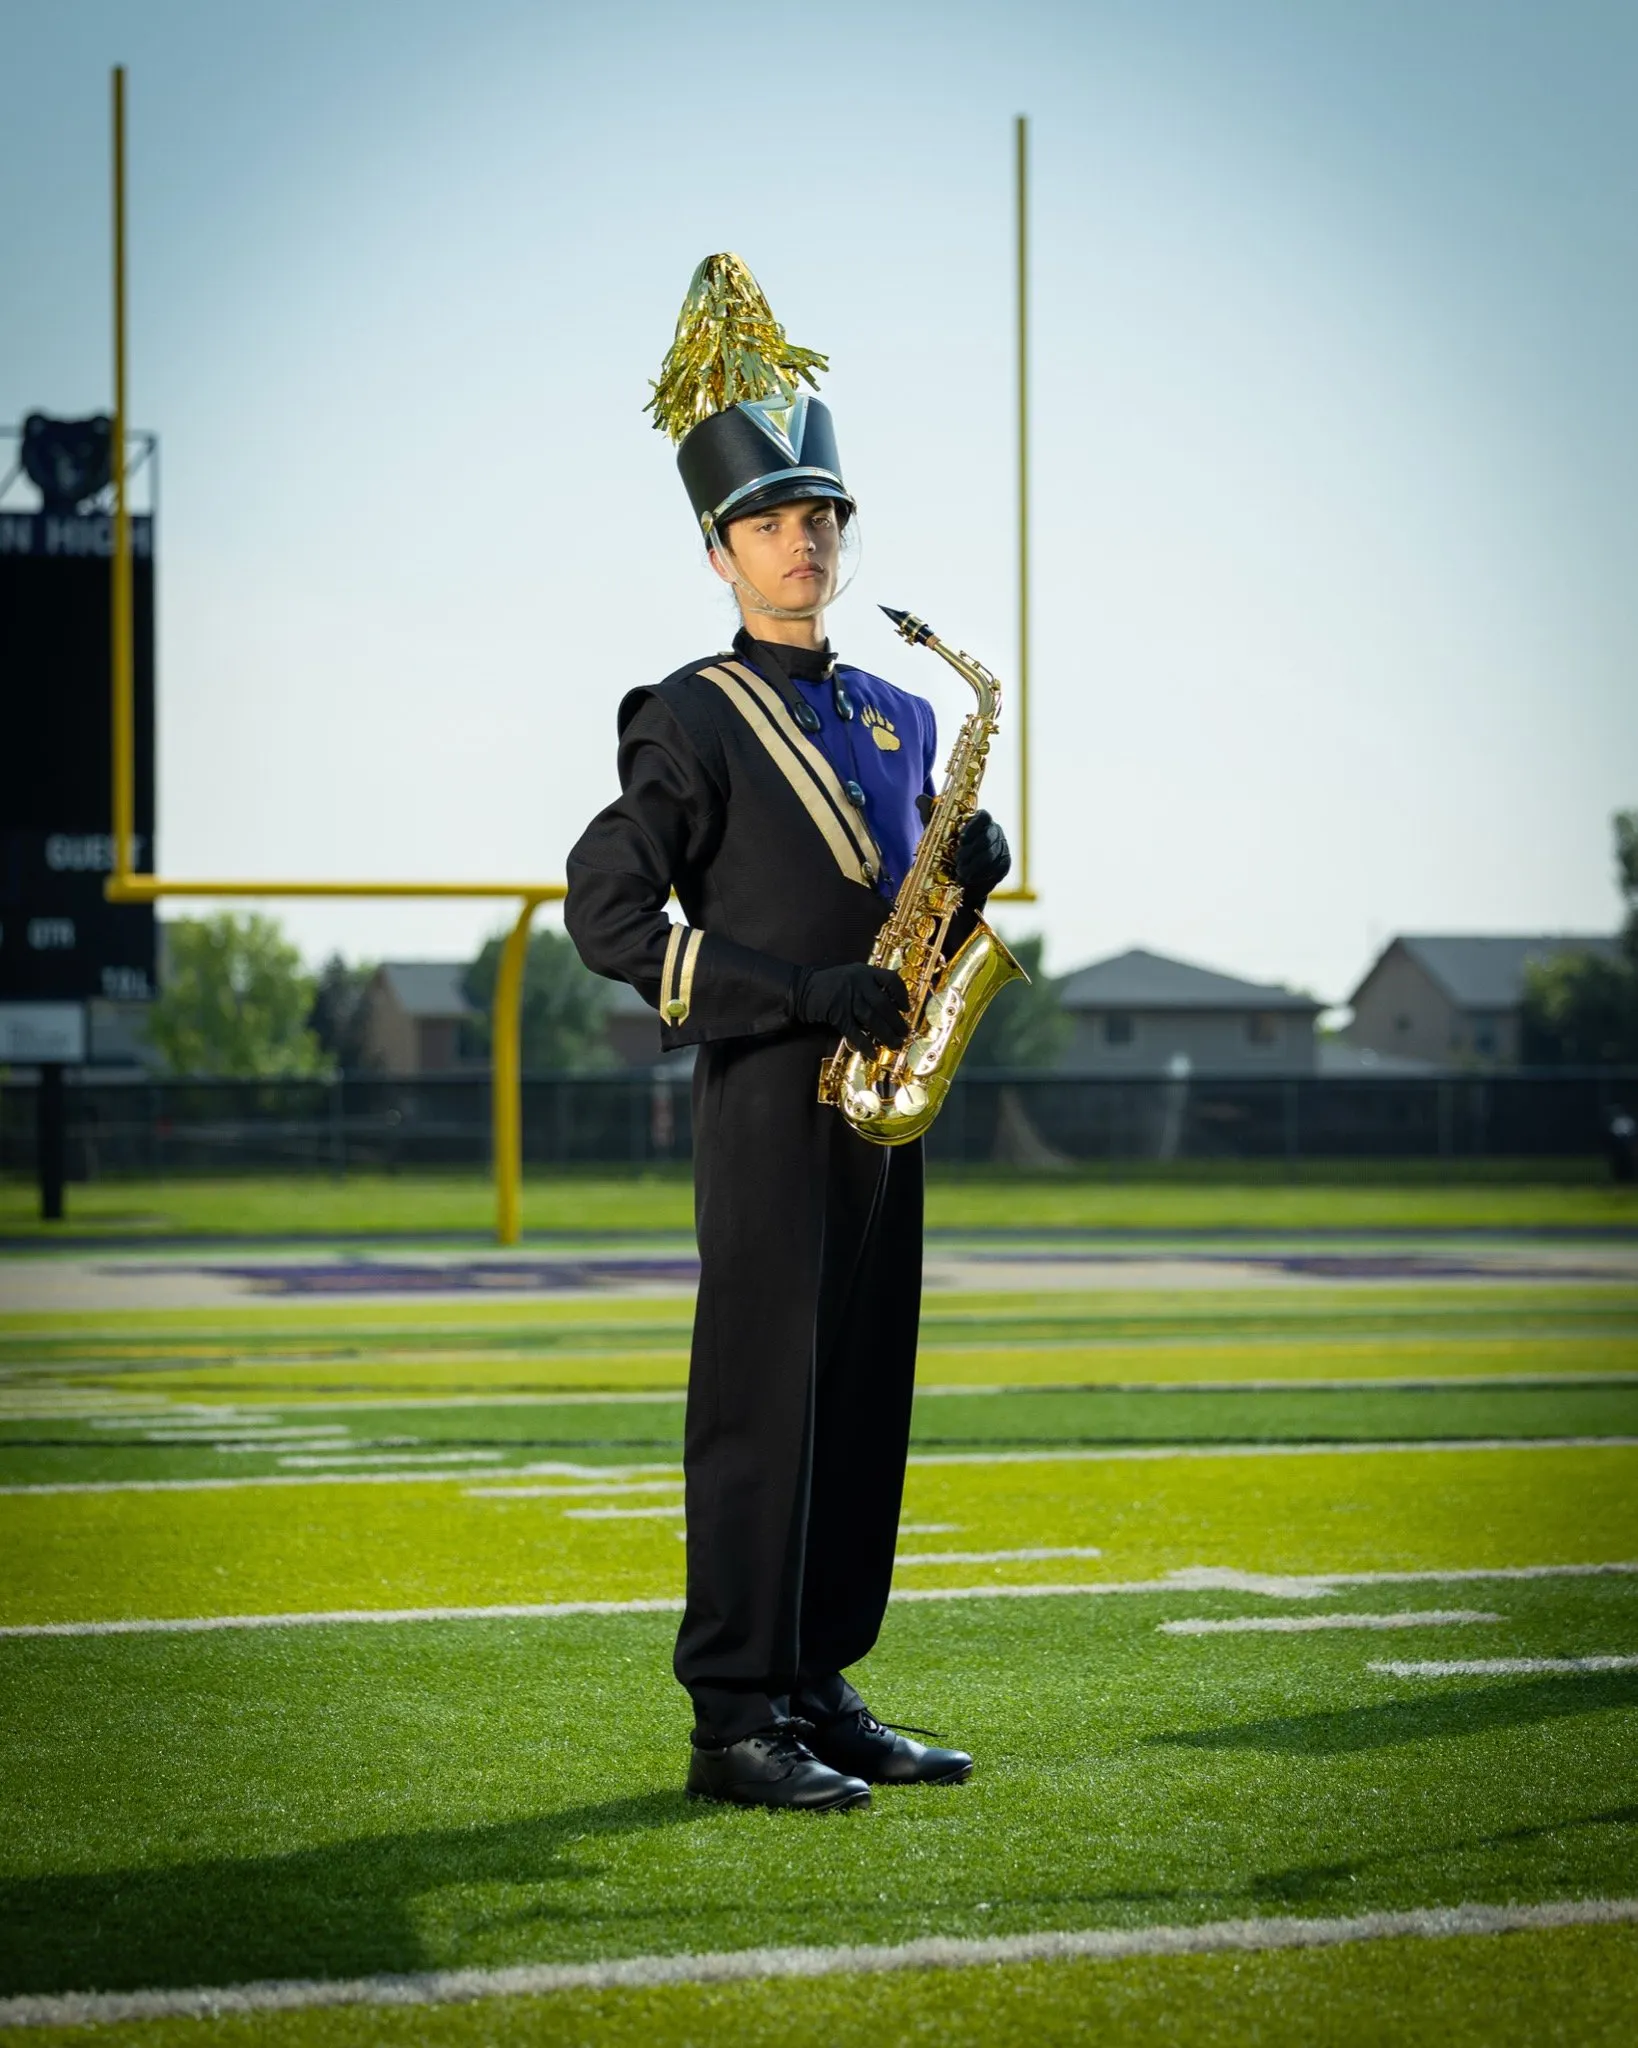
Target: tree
(1581, 1009)
(565, 1005)
(339, 1013)
(1026, 1024)
(234, 1000)
(1626, 880)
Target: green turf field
(1192, 1195)
(1296, 1606)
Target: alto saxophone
(892, 1097)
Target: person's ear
(714, 557)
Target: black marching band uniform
(748, 788)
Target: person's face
(788, 554)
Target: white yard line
(1303, 1624)
(194, 1420)
(1504, 1667)
(651, 1396)
(247, 1447)
(210, 1624)
(548, 1398)
(931, 1952)
(1122, 1455)
(1214, 1578)
(1461, 1383)
(252, 1439)
(88, 1401)
(1184, 1581)
(317, 1479)
(1204, 1578)
(1326, 1582)
(1148, 1453)
(314, 1460)
(96, 1418)
(572, 1492)
(1032, 1556)
(938, 1340)
(621, 1514)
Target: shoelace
(872, 1726)
(782, 1737)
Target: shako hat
(729, 394)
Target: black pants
(799, 1388)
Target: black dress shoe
(773, 1767)
(859, 1744)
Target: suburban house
(1141, 1013)
(632, 1027)
(1454, 1000)
(413, 1014)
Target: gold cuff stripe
(807, 771)
(690, 960)
(672, 1006)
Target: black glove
(865, 1005)
(983, 859)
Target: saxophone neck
(984, 685)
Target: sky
(1335, 374)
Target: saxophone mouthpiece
(916, 631)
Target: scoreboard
(60, 940)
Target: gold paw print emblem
(880, 729)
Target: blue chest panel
(886, 750)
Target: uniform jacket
(726, 800)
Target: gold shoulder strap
(804, 766)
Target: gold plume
(728, 347)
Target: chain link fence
(382, 1123)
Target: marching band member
(774, 789)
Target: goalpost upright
(1021, 891)
(126, 886)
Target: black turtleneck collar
(805, 664)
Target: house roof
(1486, 972)
(1149, 981)
(427, 988)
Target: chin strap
(753, 600)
